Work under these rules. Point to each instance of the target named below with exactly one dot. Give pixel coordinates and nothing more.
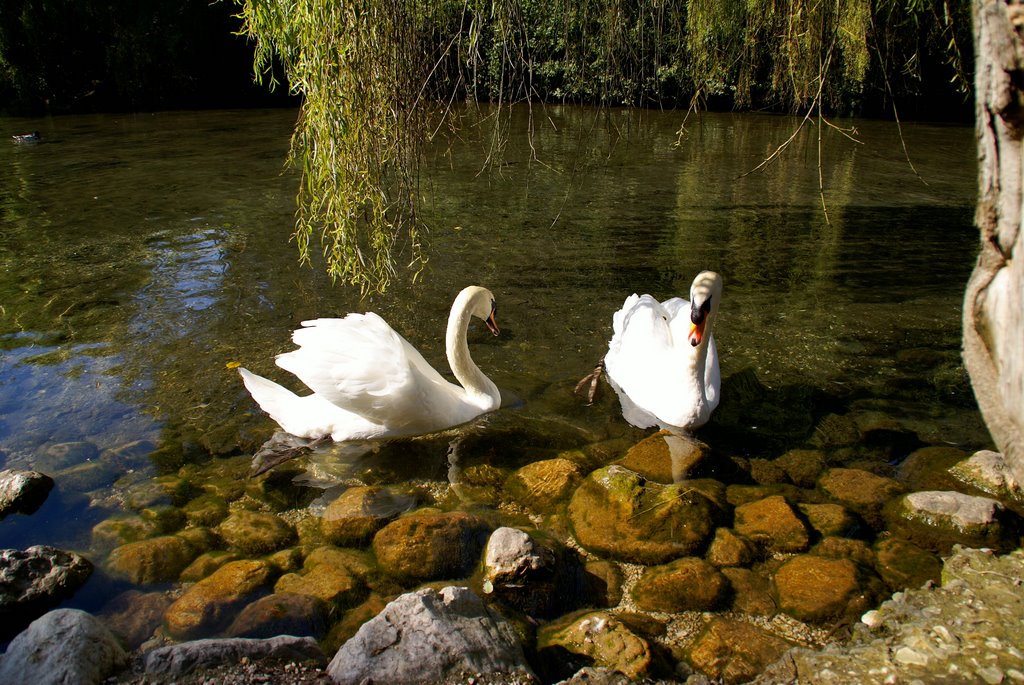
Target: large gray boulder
(427, 635)
(63, 646)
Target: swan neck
(462, 365)
(696, 363)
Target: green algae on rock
(617, 513)
(208, 607)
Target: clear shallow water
(140, 255)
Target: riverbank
(968, 629)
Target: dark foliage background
(62, 56)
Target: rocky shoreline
(968, 629)
(647, 559)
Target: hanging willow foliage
(359, 66)
(378, 76)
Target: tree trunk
(994, 303)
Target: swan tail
(282, 404)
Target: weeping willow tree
(378, 79)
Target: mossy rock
(359, 512)
(544, 485)
(772, 524)
(817, 589)
(254, 532)
(619, 514)
(938, 520)
(665, 457)
(731, 651)
(156, 560)
(688, 584)
(594, 638)
(431, 546)
(207, 607)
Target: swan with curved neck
(368, 382)
(662, 359)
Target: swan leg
(590, 382)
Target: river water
(143, 256)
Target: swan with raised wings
(662, 360)
(368, 382)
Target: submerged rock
(64, 455)
(731, 651)
(751, 592)
(665, 457)
(63, 646)
(860, 491)
(255, 532)
(207, 509)
(772, 524)
(156, 560)
(802, 467)
(134, 616)
(542, 485)
(209, 605)
(426, 636)
(353, 517)
(331, 575)
(816, 589)
(902, 564)
(281, 614)
(35, 580)
(595, 638)
(831, 519)
(602, 583)
(730, 549)
(928, 468)
(688, 584)
(617, 513)
(430, 546)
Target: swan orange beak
(492, 324)
(696, 333)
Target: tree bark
(993, 316)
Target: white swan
(368, 382)
(662, 360)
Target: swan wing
(641, 351)
(362, 365)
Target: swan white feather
(663, 362)
(368, 382)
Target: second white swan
(368, 382)
(662, 360)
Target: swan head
(479, 302)
(705, 295)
